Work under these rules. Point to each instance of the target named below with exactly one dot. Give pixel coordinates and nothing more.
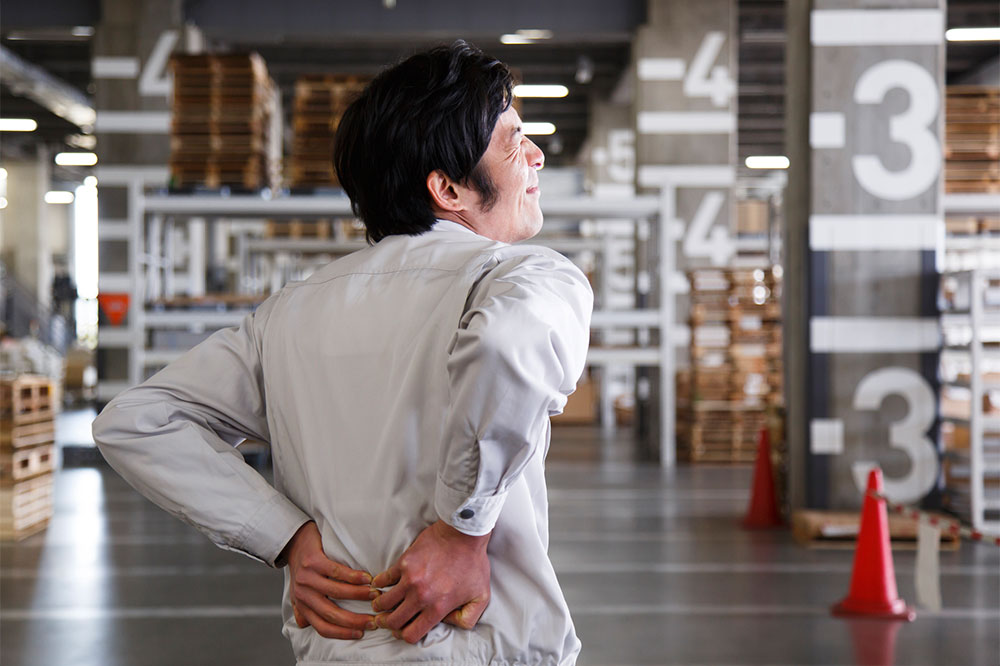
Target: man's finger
(328, 630)
(334, 589)
(399, 617)
(468, 615)
(299, 619)
(388, 577)
(419, 627)
(389, 599)
(338, 571)
(334, 614)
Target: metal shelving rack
(159, 209)
(975, 322)
(976, 317)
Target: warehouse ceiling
(588, 52)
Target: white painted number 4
(702, 79)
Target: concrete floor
(653, 564)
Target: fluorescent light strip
(534, 34)
(76, 159)
(58, 197)
(540, 91)
(767, 162)
(18, 125)
(972, 35)
(538, 128)
(515, 39)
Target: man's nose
(536, 158)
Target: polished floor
(654, 565)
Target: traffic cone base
(895, 609)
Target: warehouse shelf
(332, 206)
(112, 336)
(189, 318)
(969, 289)
(971, 203)
(163, 228)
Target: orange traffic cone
(873, 579)
(763, 510)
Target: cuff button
(466, 514)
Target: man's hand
(443, 575)
(316, 579)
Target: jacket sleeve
(520, 348)
(173, 438)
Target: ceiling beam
(27, 80)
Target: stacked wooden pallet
(27, 454)
(972, 139)
(320, 101)
(297, 229)
(735, 362)
(223, 109)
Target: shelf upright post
(976, 462)
(668, 261)
(137, 292)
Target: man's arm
(172, 438)
(519, 351)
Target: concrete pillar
(132, 47)
(875, 108)
(685, 120)
(27, 220)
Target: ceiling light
(76, 159)
(767, 162)
(538, 128)
(17, 125)
(535, 34)
(972, 35)
(82, 31)
(58, 197)
(3, 173)
(3, 202)
(540, 91)
(515, 39)
(90, 181)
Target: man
(405, 390)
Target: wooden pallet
(839, 530)
(25, 507)
(27, 434)
(21, 464)
(25, 399)
(297, 229)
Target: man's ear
(446, 195)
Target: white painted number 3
(913, 128)
(908, 434)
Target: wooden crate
(26, 399)
(25, 507)
(21, 464)
(839, 530)
(27, 434)
(297, 229)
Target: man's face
(512, 162)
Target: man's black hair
(434, 110)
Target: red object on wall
(114, 306)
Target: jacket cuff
(474, 516)
(272, 528)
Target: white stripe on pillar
(851, 27)
(686, 122)
(874, 334)
(875, 232)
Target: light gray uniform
(407, 382)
